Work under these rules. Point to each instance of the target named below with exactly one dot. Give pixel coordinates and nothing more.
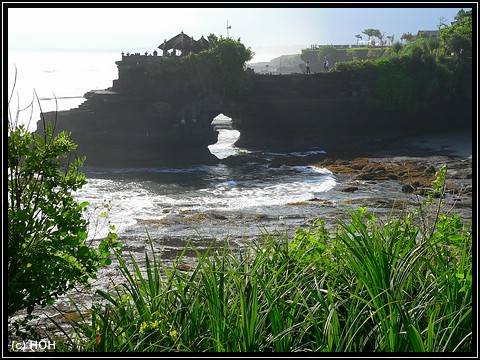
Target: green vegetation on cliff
(417, 75)
(424, 71)
(334, 55)
(219, 69)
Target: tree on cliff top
(407, 37)
(221, 66)
(457, 38)
(219, 69)
(372, 33)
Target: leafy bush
(354, 65)
(393, 84)
(48, 252)
(311, 246)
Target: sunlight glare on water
(227, 137)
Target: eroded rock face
(164, 120)
(143, 120)
(335, 112)
(111, 129)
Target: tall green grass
(396, 286)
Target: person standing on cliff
(308, 67)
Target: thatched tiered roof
(184, 43)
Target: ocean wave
(94, 170)
(312, 169)
(61, 97)
(143, 194)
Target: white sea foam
(141, 197)
(123, 203)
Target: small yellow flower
(143, 327)
(148, 325)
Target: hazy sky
(269, 32)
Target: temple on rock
(179, 45)
(182, 44)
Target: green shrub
(393, 84)
(48, 252)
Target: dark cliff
(142, 120)
(156, 115)
(336, 110)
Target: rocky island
(159, 111)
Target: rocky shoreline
(386, 181)
(413, 164)
(383, 181)
(414, 176)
